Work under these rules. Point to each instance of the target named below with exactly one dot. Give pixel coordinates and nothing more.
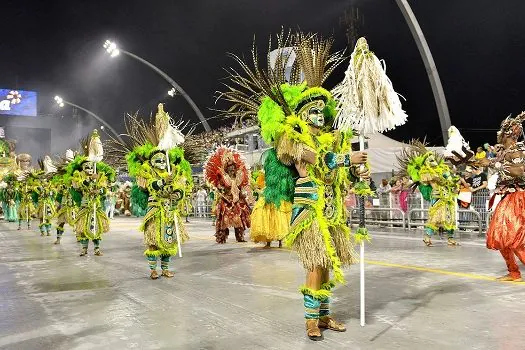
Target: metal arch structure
(117, 135)
(175, 85)
(430, 66)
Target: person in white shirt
(201, 202)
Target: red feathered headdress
(218, 163)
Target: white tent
(383, 151)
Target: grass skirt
(442, 214)
(84, 221)
(270, 223)
(507, 226)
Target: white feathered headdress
(169, 135)
(95, 150)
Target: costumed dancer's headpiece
(512, 127)
(414, 157)
(291, 93)
(149, 141)
(219, 161)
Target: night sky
(55, 47)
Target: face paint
(88, 168)
(158, 161)
(312, 112)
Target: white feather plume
(170, 136)
(367, 100)
(49, 167)
(456, 142)
(95, 150)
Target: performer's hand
(363, 172)
(359, 158)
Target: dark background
(55, 47)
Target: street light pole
(112, 49)
(61, 102)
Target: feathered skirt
(442, 214)
(507, 226)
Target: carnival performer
(90, 177)
(67, 198)
(506, 231)
(226, 171)
(271, 220)
(437, 183)
(314, 162)
(45, 194)
(10, 197)
(24, 188)
(158, 164)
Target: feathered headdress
(367, 100)
(144, 138)
(512, 127)
(277, 89)
(218, 162)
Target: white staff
(368, 104)
(170, 137)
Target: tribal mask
(88, 167)
(511, 128)
(158, 161)
(312, 112)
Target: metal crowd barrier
(414, 212)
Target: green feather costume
(311, 159)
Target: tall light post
(114, 51)
(61, 102)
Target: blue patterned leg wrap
(96, 242)
(450, 233)
(429, 231)
(311, 306)
(152, 261)
(324, 309)
(164, 261)
(84, 243)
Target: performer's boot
(239, 234)
(326, 321)
(426, 237)
(152, 261)
(164, 264)
(19, 225)
(84, 243)
(48, 229)
(60, 231)
(29, 224)
(96, 243)
(42, 229)
(280, 243)
(311, 315)
(451, 241)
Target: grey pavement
(240, 296)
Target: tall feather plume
(249, 84)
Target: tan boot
(167, 273)
(98, 252)
(509, 278)
(452, 242)
(57, 241)
(427, 241)
(327, 322)
(154, 275)
(312, 330)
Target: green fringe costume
(26, 192)
(91, 221)
(163, 181)
(10, 198)
(46, 210)
(436, 183)
(295, 116)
